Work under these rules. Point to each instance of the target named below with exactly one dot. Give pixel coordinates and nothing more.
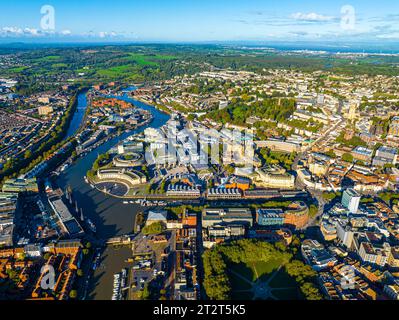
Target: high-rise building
(351, 200)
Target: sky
(199, 20)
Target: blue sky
(203, 20)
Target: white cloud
(11, 31)
(311, 17)
(16, 31)
(104, 34)
(32, 32)
(389, 36)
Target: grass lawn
(243, 270)
(115, 71)
(238, 283)
(282, 279)
(141, 60)
(17, 69)
(59, 65)
(262, 271)
(48, 58)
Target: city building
(224, 193)
(129, 177)
(242, 216)
(362, 154)
(384, 156)
(374, 254)
(20, 185)
(270, 217)
(8, 208)
(69, 223)
(275, 178)
(316, 255)
(157, 216)
(183, 191)
(236, 182)
(45, 110)
(351, 200)
(296, 215)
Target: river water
(79, 114)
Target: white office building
(351, 200)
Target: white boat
(92, 226)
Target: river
(79, 114)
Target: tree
(313, 210)
(331, 153)
(347, 157)
(154, 228)
(246, 251)
(73, 294)
(162, 188)
(298, 270)
(281, 246)
(329, 196)
(230, 169)
(145, 293)
(216, 283)
(79, 273)
(28, 154)
(310, 291)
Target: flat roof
(62, 210)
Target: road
(316, 194)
